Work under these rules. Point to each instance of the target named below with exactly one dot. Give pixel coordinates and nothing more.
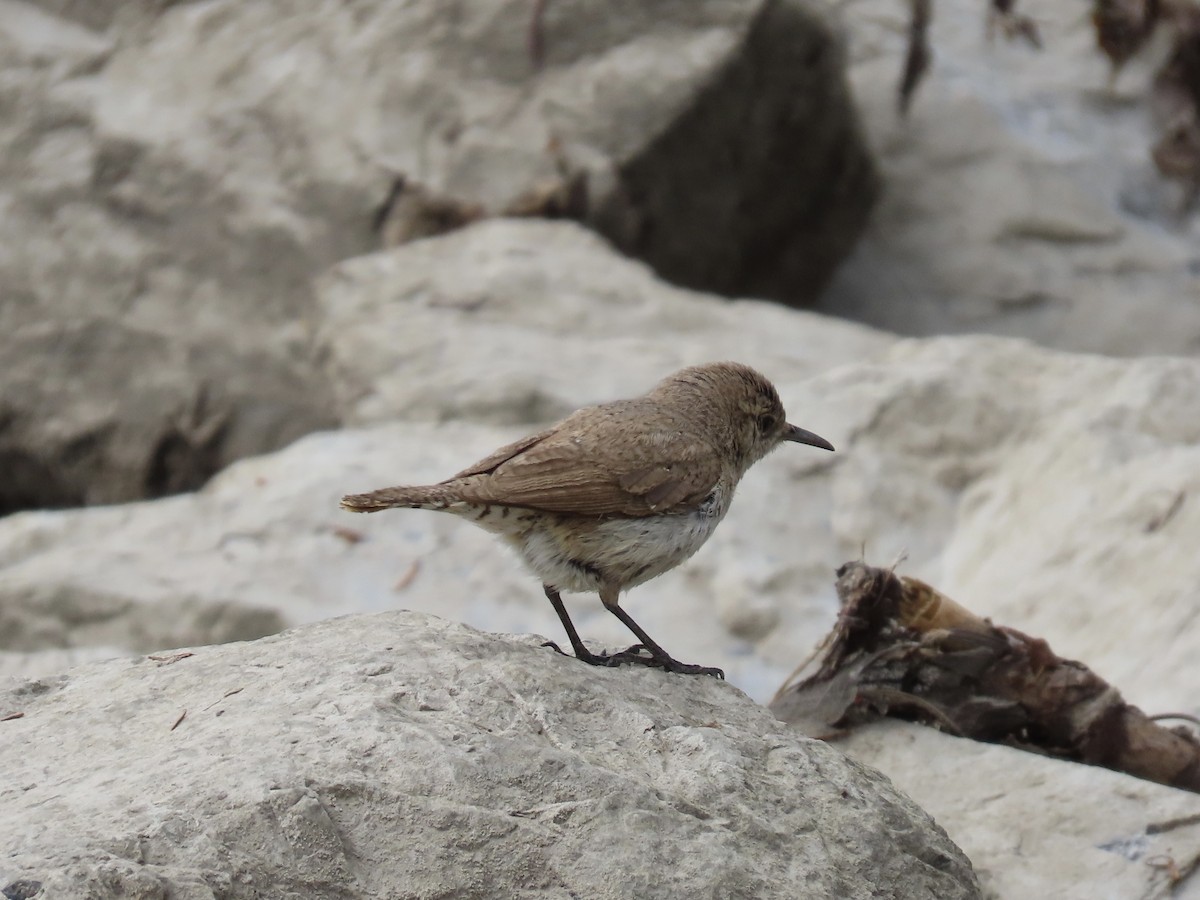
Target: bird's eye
(766, 423)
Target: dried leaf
(1122, 28)
(1003, 14)
(916, 61)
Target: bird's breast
(582, 554)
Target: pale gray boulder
(403, 756)
(151, 322)
(515, 322)
(1040, 827)
(96, 411)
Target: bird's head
(746, 409)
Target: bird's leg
(610, 597)
(581, 652)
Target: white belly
(575, 555)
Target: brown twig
(536, 36)
(351, 536)
(1167, 514)
(223, 696)
(409, 576)
(916, 60)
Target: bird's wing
(488, 464)
(600, 469)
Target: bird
(618, 493)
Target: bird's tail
(434, 496)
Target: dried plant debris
(564, 195)
(916, 60)
(902, 649)
(536, 35)
(1122, 28)
(412, 211)
(1003, 15)
(1175, 103)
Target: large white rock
(1055, 493)
(1039, 827)
(1020, 196)
(524, 321)
(404, 756)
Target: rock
(523, 322)
(1021, 198)
(145, 343)
(94, 411)
(62, 616)
(36, 663)
(1038, 827)
(269, 533)
(399, 755)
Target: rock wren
(619, 493)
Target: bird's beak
(800, 436)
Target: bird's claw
(634, 656)
(689, 669)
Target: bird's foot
(669, 664)
(674, 665)
(583, 655)
(635, 656)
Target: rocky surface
(95, 410)
(1038, 827)
(513, 322)
(176, 175)
(1020, 197)
(404, 756)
